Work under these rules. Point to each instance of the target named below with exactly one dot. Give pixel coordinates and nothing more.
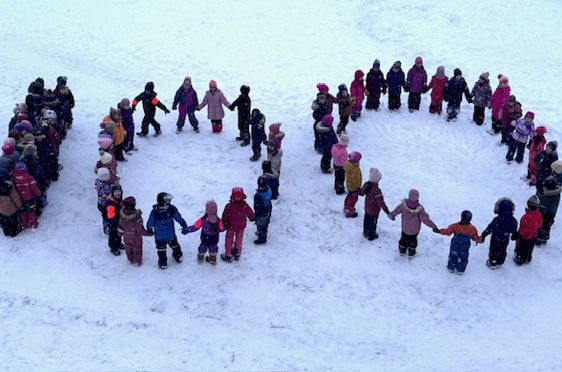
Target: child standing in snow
(482, 94)
(529, 227)
(437, 86)
(244, 104)
(28, 191)
(413, 214)
(353, 183)
(113, 207)
(114, 118)
(103, 189)
(374, 86)
(262, 209)
(215, 99)
(324, 89)
(460, 244)
(453, 94)
(395, 79)
(10, 204)
(271, 178)
(211, 226)
(234, 216)
(186, 98)
(544, 161)
(107, 161)
(132, 228)
(535, 146)
(416, 83)
(319, 110)
(128, 124)
(257, 123)
(502, 228)
(339, 156)
(149, 104)
(511, 111)
(550, 199)
(275, 134)
(327, 139)
(374, 202)
(524, 129)
(344, 107)
(275, 156)
(499, 99)
(357, 90)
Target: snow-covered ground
(318, 296)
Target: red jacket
(530, 224)
(437, 87)
(133, 229)
(26, 185)
(235, 214)
(374, 200)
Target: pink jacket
(412, 218)
(357, 87)
(215, 102)
(235, 215)
(339, 154)
(499, 98)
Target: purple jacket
(412, 218)
(128, 121)
(417, 79)
(103, 189)
(215, 101)
(523, 130)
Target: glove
(436, 230)
(174, 107)
(150, 233)
(185, 230)
(391, 217)
(133, 108)
(166, 111)
(44, 201)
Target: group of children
(122, 222)
(30, 155)
(544, 168)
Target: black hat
(466, 217)
(149, 86)
(61, 80)
(457, 72)
(130, 203)
(262, 185)
(245, 90)
(342, 87)
(550, 183)
(163, 198)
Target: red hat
(237, 194)
(540, 130)
(322, 88)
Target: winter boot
(411, 252)
(163, 267)
(226, 258)
(260, 241)
(200, 257)
(157, 133)
(212, 259)
(236, 254)
(116, 252)
(402, 250)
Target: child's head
(125, 104)
(504, 80)
(256, 112)
(29, 150)
(327, 120)
(323, 88)
(414, 195)
(375, 175)
(275, 127)
(245, 90)
(187, 82)
(237, 195)
(359, 75)
(550, 183)
(540, 131)
(114, 114)
(8, 146)
(551, 146)
(116, 191)
(511, 101)
(321, 98)
(343, 140)
(266, 166)
(396, 66)
(440, 73)
(354, 157)
(343, 90)
(61, 81)
(130, 204)
(458, 73)
(533, 203)
(485, 76)
(419, 61)
(149, 87)
(556, 167)
(50, 116)
(212, 85)
(504, 206)
(466, 217)
(211, 208)
(163, 199)
(529, 116)
(262, 185)
(103, 174)
(105, 157)
(376, 65)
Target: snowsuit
(412, 218)
(271, 179)
(103, 189)
(416, 82)
(395, 80)
(344, 110)
(374, 202)
(53, 157)
(319, 110)
(257, 123)
(10, 204)
(482, 94)
(509, 114)
(209, 234)
(357, 93)
(499, 99)
(35, 170)
(519, 137)
(460, 244)
(129, 126)
(149, 104)
(529, 227)
(244, 104)
(375, 85)
(275, 159)
(161, 222)
(112, 167)
(234, 217)
(28, 191)
(339, 156)
(118, 134)
(353, 183)
(327, 138)
(262, 208)
(536, 146)
(437, 87)
(66, 99)
(215, 112)
(112, 213)
(453, 94)
(550, 199)
(544, 160)
(131, 226)
(502, 227)
(276, 135)
(187, 101)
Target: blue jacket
(181, 97)
(161, 221)
(454, 91)
(395, 80)
(262, 203)
(502, 226)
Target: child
(319, 110)
(502, 227)
(524, 129)
(529, 227)
(234, 217)
(118, 133)
(416, 83)
(103, 189)
(482, 94)
(357, 90)
(550, 199)
(455, 89)
(511, 111)
(215, 99)
(34, 168)
(107, 161)
(271, 178)
(257, 123)
(344, 107)
(149, 104)
(339, 156)
(499, 99)
(10, 204)
(544, 161)
(186, 98)
(374, 85)
(262, 208)
(396, 80)
(161, 223)
(413, 214)
(212, 227)
(276, 135)
(128, 124)
(460, 244)
(28, 191)
(275, 155)
(244, 104)
(327, 139)
(64, 94)
(113, 207)
(437, 86)
(325, 90)
(374, 202)
(132, 228)
(535, 146)
(353, 183)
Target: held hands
(390, 217)
(185, 230)
(174, 107)
(436, 230)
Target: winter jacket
(327, 138)
(161, 222)
(510, 113)
(244, 104)
(149, 103)
(235, 214)
(103, 189)
(344, 104)
(523, 130)
(10, 201)
(544, 160)
(262, 203)
(25, 185)
(54, 137)
(215, 101)
(482, 94)
(455, 89)
(530, 224)
(65, 96)
(499, 99)
(357, 88)
(276, 135)
(112, 211)
(416, 79)
(118, 132)
(210, 230)
(462, 235)
(550, 199)
(7, 165)
(275, 159)
(437, 87)
(127, 120)
(412, 218)
(375, 83)
(112, 171)
(374, 200)
(339, 155)
(352, 176)
(257, 123)
(395, 80)
(131, 225)
(536, 146)
(502, 227)
(320, 110)
(185, 98)
(35, 170)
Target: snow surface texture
(318, 296)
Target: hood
(130, 217)
(359, 75)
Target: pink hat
(105, 141)
(503, 78)
(540, 130)
(212, 84)
(327, 120)
(359, 74)
(355, 156)
(322, 88)
(8, 148)
(344, 139)
(419, 60)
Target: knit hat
(24, 126)
(125, 103)
(237, 194)
(485, 75)
(344, 139)
(557, 167)
(262, 184)
(29, 150)
(149, 87)
(105, 141)
(114, 113)
(188, 78)
(553, 145)
(376, 64)
(354, 156)
(103, 174)
(212, 84)
(49, 114)
(322, 88)
(359, 74)
(211, 209)
(342, 87)
(61, 80)
(457, 72)
(129, 204)
(419, 60)
(163, 198)
(397, 64)
(320, 95)
(116, 187)
(540, 130)
(414, 195)
(105, 157)
(512, 99)
(8, 147)
(375, 175)
(244, 89)
(327, 120)
(533, 203)
(440, 72)
(466, 217)
(530, 114)
(108, 126)
(504, 206)
(503, 79)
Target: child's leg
(366, 224)
(129, 251)
(201, 252)
(114, 240)
(511, 150)
(144, 126)
(453, 259)
(192, 119)
(176, 249)
(412, 245)
(182, 112)
(137, 252)
(326, 162)
(349, 204)
(228, 242)
(161, 250)
(316, 138)
(520, 151)
(403, 244)
(339, 179)
(376, 100)
(462, 260)
(239, 241)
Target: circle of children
(517, 131)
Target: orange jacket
(118, 133)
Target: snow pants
(370, 226)
(514, 146)
(326, 162)
(498, 252)
(184, 111)
(11, 224)
(408, 243)
(339, 179)
(524, 251)
(373, 101)
(394, 102)
(114, 240)
(161, 247)
(436, 107)
(133, 249)
(349, 204)
(458, 259)
(414, 100)
(544, 231)
(262, 223)
(149, 120)
(233, 239)
(344, 120)
(479, 114)
(28, 216)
